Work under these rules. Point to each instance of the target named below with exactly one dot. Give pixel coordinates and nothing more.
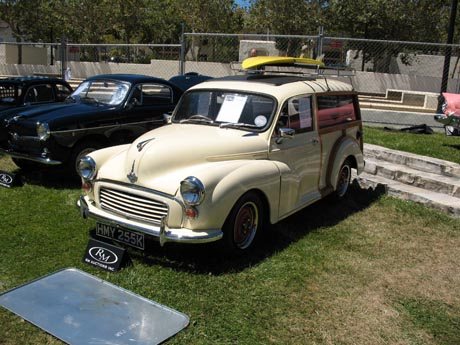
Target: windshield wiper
(197, 120)
(237, 125)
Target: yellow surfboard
(260, 61)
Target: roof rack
(284, 65)
(280, 65)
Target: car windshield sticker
(305, 112)
(231, 109)
(260, 121)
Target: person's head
(253, 52)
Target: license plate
(133, 239)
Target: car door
(299, 151)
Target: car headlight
(43, 131)
(87, 168)
(192, 191)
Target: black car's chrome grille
(132, 206)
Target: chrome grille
(132, 206)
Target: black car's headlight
(43, 131)
(192, 191)
(87, 168)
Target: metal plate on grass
(79, 308)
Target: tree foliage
(159, 21)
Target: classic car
(104, 110)
(17, 93)
(451, 113)
(240, 152)
(31, 90)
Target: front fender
(344, 148)
(224, 188)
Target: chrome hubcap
(246, 224)
(344, 180)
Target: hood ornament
(142, 144)
(132, 176)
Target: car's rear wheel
(244, 223)
(80, 151)
(343, 180)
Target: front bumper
(161, 232)
(38, 159)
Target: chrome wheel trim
(344, 180)
(245, 225)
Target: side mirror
(167, 117)
(284, 133)
(133, 102)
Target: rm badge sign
(104, 255)
(9, 180)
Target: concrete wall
(30, 55)
(366, 82)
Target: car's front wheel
(80, 151)
(244, 223)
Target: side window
(39, 94)
(151, 94)
(62, 92)
(297, 114)
(335, 110)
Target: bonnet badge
(132, 176)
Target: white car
(239, 153)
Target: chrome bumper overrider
(161, 232)
(42, 160)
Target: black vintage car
(33, 90)
(104, 110)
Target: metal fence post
(182, 52)
(63, 54)
(319, 46)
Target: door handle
(315, 141)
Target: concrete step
(417, 162)
(440, 201)
(404, 174)
(385, 105)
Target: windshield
(225, 109)
(108, 92)
(7, 95)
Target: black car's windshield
(226, 109)
(8, 95)
(110, 92)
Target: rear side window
(152, 94)
(7, 94)
(335, 110)
(297, 114)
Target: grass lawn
(371, 270)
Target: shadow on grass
(210, 259)
(457, 147)
(56, 178)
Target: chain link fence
(398, 82)
(79, 61)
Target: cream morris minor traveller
(239, 153)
